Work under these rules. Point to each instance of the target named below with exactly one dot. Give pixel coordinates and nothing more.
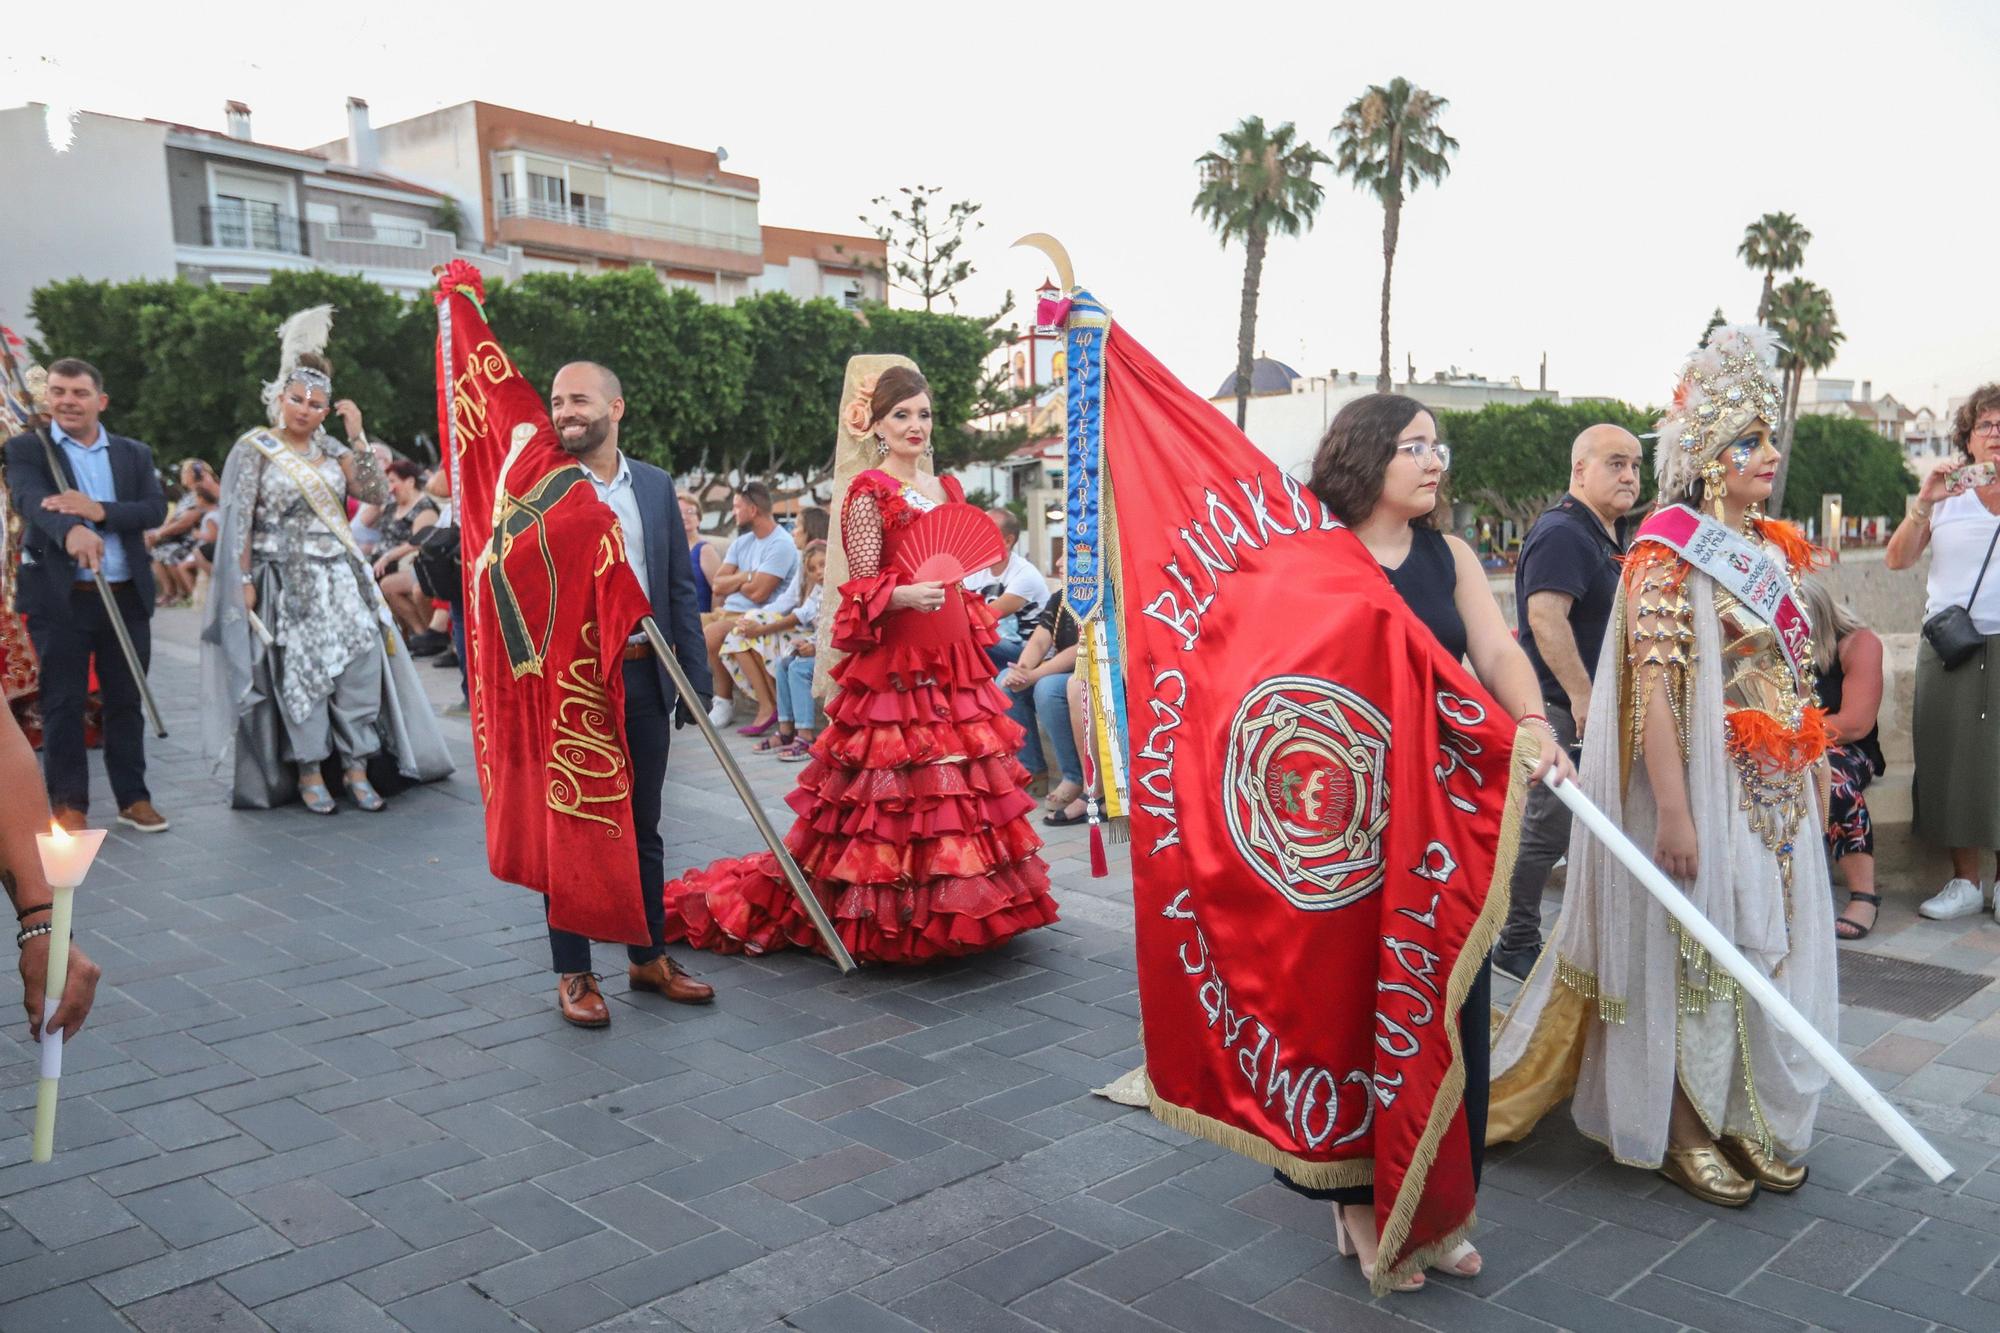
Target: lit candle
(66, 859)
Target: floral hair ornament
(307, 331)
(1724, 388)
(859, 414)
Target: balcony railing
(598, 220)
(412, 236)
(228, 228)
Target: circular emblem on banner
(1304, 793)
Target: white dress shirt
(624, 501)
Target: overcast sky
(1610, 154)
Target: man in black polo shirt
(1564, 586)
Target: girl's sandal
(773, 744)
(315, 797)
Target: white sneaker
(721, 711)
(1959, 898)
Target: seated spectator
(703, 554)
(407, 515)
(759, 565)
(1847, 675)
(1039, 681)
(1013, 590)
(176, 542)
(794, 669)
(363, 519)
(755, 639)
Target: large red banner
(550, 602)
(1316, 796)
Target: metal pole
(111, 610)
(1761, 990)
(800, 889)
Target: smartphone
(1962, 479)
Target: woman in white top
(1957, 723)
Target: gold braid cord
(1659, 645)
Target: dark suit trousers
(65, 645)
(649, 731)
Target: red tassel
(1099, 867)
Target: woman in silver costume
(301, 659)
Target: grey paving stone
(1015, 1272)
(421, 1214)
(1068, 1308)
(301, 1270)
(68, 1212)
(72, 1309)
(407, 1164)
(177, 1125)
(189, 1212)
(1149, 1266)
(948, 1308)
(663, 1274)
(456, 1308)
(751, 1213)
(848, 1313)
(1701, 1309)
(387, 1283)
(204, 1306)
(1818, 1307)
(589, 1131)
(284, 1124)
(843, 1204)
(213, 1258)
(1184, 1305)
(333, 1308)
(574, 1261)
(305, 1212)
(647, 1216)
(1318, 1310)
(577, 1306)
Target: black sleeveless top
(1829, 685)
(1428, 581)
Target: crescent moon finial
(1053, 248)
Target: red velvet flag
(1316, 794)
(549, 606)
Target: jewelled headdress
(307, 331)
(1731, 382)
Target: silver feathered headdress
(1725, 386)
(307, 331)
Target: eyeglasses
(1423, 451)
(1987, 428)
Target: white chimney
(236, 116)
(360, 135)
(1868, 391)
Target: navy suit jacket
(670, 580)
(47, 571)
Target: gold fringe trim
(1313, 1175)
(1610, 1008)
(1471, 957)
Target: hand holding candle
(66, 858)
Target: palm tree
(1254, 182)
(1774, 243)
(1802, 313)
(1390, 141)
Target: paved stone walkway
(325, 1088)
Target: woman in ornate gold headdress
(1715, 762)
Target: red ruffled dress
(911, 821)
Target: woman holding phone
(1957, 722)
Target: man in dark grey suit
(586, 404)
(91, 513)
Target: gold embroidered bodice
(1754, 671)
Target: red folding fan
(949, 542)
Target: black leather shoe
(1516, 963)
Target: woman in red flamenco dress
(911, 821)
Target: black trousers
(65, 645)
(1475, 1038)
(649, 731)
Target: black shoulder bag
(439, 564)
(1951, 633)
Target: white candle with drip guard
(66, 859)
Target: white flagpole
(1750, 979)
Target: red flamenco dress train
(912, 823)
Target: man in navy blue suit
(586, 404)
(91, 514)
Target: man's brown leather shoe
(72, 821)
(581, 1002)
(142, 816)
(666, 977)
